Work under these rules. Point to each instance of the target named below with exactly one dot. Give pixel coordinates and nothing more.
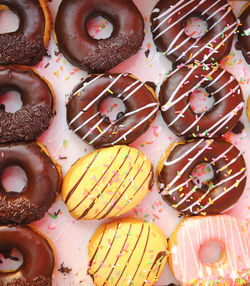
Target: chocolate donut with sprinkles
(180, 180)
(190, 120)
(169, 20)
(37, 96)
(85, 119)
(38, 257)
(98, 55)
(244, 33)
(42, 187)
(27, 45)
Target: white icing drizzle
(210, 7)
(174, 40)
(179, 115)
(167, 11)
(189, 237)
(136, 82)
(179, 19)
(221, 8)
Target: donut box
(70, 235)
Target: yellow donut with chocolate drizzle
(127, 252)
(107, 182)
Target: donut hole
(201, 101)
(113, 109)
(10, 259)
(210, 252)
(195, 27)
(99, 27)
(11, 101)
(203, 175)
(9, 21)
(14, 179)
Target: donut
(179, 188)
(87, 53)
(169, 19)
(85, 119)
(244, 33)
(107, 182)
(185, 242)
(27, 45)
(42, 187)
(29, 122)
(38, 257)
(127, 252)
(182, 118)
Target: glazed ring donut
(85, 119)
(169, 19)
(27, 45)
(185, 242)
(181, 192)
(92, 55)
(42, 188)
(134, 247)
(107, 182)
(244, 33)
(38, 257)
(176, 109)
(28, 123)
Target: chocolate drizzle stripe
(159, 256)
(117, 259)
(132, 252)
(138, 189)
(97, 181)
(143, 253)
(80, 180)
(94, 255)
(118, 188)
(104, 188)
(109, 249)
(110, 209)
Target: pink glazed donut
(233, 267)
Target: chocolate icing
(174, 97)
(87, 97)
(244, 40)
(229, 174)
(38, 264)
(28, 123)
(24, 46)
(93, 55)
(169, 19)
(33, 202)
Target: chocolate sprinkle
(16, 49)
(10, 211)
(123, 47)
(238, 128)
(63, 269)
(38, 281)
(25, 125)
(6, 252)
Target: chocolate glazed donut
(97, 56)
(244, 33)
(28, 123)
(43, 183)
(85, 119)
(38, 257)
(219, 194)
(26, 46)
(174, 97)
(169, 19)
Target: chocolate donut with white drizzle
(169, 19)
(85, 119)
(221, 192)
(176, 110)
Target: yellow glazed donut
(127, 252)
(233, 267)
(107, 182)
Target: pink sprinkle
(51, 227)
